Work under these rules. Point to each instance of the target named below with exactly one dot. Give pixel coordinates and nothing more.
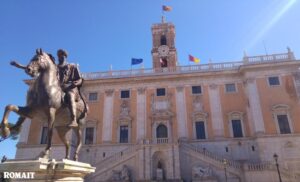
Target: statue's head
(62, 55)
(39, 63)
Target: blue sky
(99, 33)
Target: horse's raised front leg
(62, 133)
(22, 111)
(51, 119)
(79, 141)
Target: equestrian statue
(54, 97)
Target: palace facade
(206, 122)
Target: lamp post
(275, 156)
(225, 162)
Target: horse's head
(39, 63)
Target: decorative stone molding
(141, 90)
(179, 88)
(282, 108)
(124, 119)
(109, 92)
(236, 115)
(124, 108)
(289, 144)
(249, 80)
(197, 116)
(197, 104)
(162, 115)
(203, 173)
(161, 104)
(213, 86)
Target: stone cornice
(109, 92)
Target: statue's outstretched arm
(14, 63)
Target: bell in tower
(164, 53)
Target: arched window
(161, 131)
(163, 62)
(163, 40)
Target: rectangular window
(200, 130)
(196, 90)
(123, 134)
(93, 96)
(283, 124)
(44, 136)
(274, 80)
(125, 94)
(89, 135)
(237, 128)
(230, 87)
(160, 92)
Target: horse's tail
(86, 108)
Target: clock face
(163, 51)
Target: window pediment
(197, 116)
(235, 115)
(125, 119)
(280, 107)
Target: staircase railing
(237, 165)
(220, 160)
(116, 157)
(269, 166)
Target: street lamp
(225, 162)
(275, 156)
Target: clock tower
(164, 54)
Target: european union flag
(135, 61)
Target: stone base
(46, 170)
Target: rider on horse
(70, 81)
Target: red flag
(194, 59)
(166, 8)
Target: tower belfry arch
(164, 54)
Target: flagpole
(265, 47)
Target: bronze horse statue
(44, 103)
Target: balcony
(211, 67)
(161, 140)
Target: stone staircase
(232, 166)
(235, 167)
(269, 166)
(105, 166)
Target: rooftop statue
(54, 96)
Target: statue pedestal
(45, 170)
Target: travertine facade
(180, 122)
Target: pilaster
(181, 112)
(108, 116)
(216, 110)
(256, 115)
(141, 114)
